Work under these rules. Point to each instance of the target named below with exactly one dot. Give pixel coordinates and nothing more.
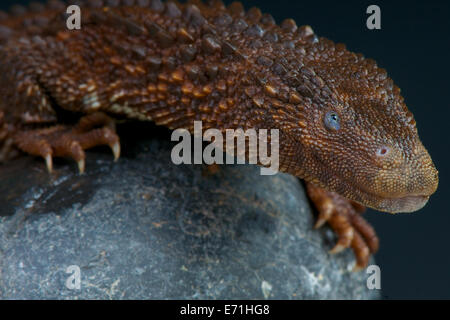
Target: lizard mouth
(388, 203)
(392, 203)
(404, 204)
(403, 200)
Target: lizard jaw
(385, 202)
(404, 204)
(392, 203)
(400, 204)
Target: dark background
(414, 46)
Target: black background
(414, 46)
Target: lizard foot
(70, 141)
(344, 217)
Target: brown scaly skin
(172, 64)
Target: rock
(144, 228)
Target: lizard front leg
(70, 141)
(344, 217)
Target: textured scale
(175, 63)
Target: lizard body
(344, 127)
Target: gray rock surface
(143, 228)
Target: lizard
(345, 129)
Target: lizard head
(357, 137)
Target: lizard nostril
(383, 151)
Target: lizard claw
(49, 162)
(115, 147)
(337, 248)
(81, 165)
(325, 214)
(344, 217)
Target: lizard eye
(383, 151)
(331, 121)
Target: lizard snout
(422, 175)
(408, 187)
